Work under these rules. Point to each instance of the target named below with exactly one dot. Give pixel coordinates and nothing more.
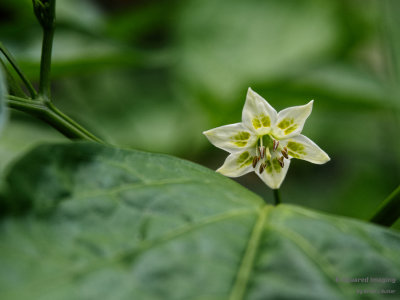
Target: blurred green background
(154, 74)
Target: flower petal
(237, 164)
(302, 147)
(258, 115)
(291, 120)
(274, 174)
(231, 138)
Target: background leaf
(134, 72)
(84, 221)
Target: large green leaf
(85, 221)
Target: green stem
(45, 62)
(24, 105)
(50, 114)
(13, 85)
(389, 210)
(60, 114)
(14, 64)
(277, 196)
(41, 105)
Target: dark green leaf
(84, 221)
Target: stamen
(276, 144)
(280, 160)
(262, 167)
(285, 153)
(255, 161)
(262, 151)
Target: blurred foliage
(3, 93)
(154, 74)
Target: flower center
(269, 153)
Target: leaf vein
(325, 266)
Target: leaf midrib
(243, 274)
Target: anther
(255, 161)
(280, 160)
(262, 151)
(262, 167)
(285, 153)
(276, 144)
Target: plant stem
(45, 62)
(389, 210)
(40, 105)
(24, 105)
(277, 196)
(14, 64)
(13, 86)
(51, 115)
(76, 125)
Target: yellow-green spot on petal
(291, 129)
(261, 121)
(265, 120)
(276, 165)
(256, 123)
(244, 159)
(285, 123)
(295, 148)
(292, 154)
(240, 139)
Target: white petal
(237, 164)
(258, 114)
(303, 148)
(274, 174)
(291, 120)
(231, 138)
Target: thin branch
(13, 85)
(14, 64)
(46, 15)
(73, 123)
(52, 116)
(389, 210)
(45, 62)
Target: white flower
(265, 141)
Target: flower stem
(389, 210)
(14, 64)
(277, 196)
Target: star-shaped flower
(265, 141)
